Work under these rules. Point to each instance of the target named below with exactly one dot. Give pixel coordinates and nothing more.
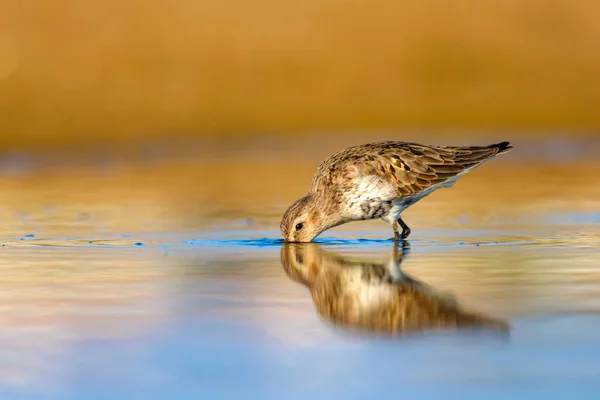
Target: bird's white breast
(367, 197)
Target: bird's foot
(405, 233)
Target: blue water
(208, 359)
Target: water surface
(170, 280)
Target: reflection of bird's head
(302, 261)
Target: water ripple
(181, 242)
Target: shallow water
(159, 280)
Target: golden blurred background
(74, 72)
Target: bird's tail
(503, 147)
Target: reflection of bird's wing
(367, 295)
(409, 168)
(400, 307)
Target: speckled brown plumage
(375, 296)
(378, 180)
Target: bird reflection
(376, 296)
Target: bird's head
(303, 221)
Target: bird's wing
(412, 168)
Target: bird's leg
(405, 229)
(396, 233)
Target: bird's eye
(299, 226)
